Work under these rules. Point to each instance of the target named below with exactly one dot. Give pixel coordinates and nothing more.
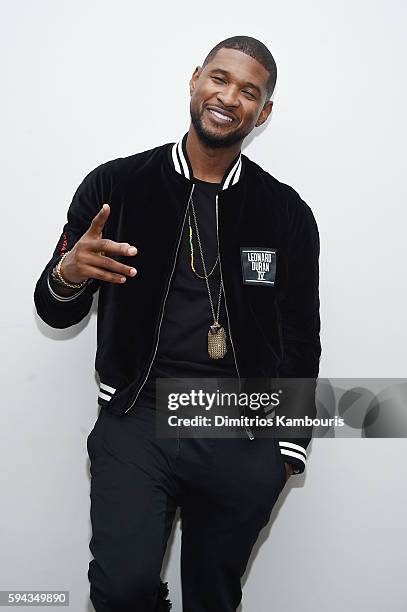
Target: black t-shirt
(182, 350)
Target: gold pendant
(216, 341)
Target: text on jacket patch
(258, 265)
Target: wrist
(59, 287)
(290, 469)
(61, 280)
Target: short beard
(212, 140)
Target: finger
(99, 220)
(106, 264)
(105, 245)
(104, 275)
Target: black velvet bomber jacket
(269, 253)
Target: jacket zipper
(163, 307)
(247, 428)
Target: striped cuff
(106, 393)
(65, 298)
(294, 454)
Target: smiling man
(225, 286)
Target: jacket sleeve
(300, 324)
(57, 311)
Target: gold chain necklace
(216, 335)
(192, 253)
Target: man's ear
(194, 78)
(265, 112)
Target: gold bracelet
(63, 281)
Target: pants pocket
(95, 437)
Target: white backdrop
(88, 81)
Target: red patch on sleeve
(64, 244)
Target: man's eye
(249, 93)
(219, 79)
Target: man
(207, 266)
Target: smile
(219, 116)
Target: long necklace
(192, 253)
(216, 334)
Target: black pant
(226, 489)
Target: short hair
(253, 47)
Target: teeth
(220, 115)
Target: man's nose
(228, 96)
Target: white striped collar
(181, 163)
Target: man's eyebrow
(226, 73)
